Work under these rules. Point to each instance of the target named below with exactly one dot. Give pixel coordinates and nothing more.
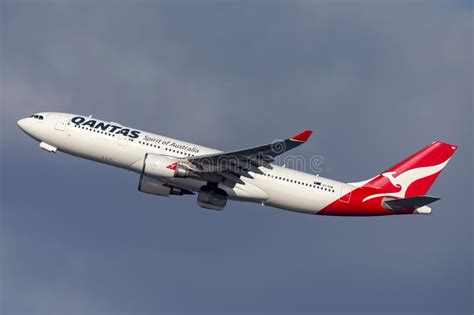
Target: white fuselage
(278, 187)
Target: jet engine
(152, 186)
(163, 166)
(212, 198)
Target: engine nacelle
(152, 186)
(163, 166)
(214, 199)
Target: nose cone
(31, 127)
(22, 124)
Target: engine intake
(163, 166)
(152, 186)
(212, 198)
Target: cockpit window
(39, 117)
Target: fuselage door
(121, 139)
(61, 122)
(345, 194)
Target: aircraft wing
(231, 165)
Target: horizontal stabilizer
(408, 203)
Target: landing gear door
(61, 122)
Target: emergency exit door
(61, 122)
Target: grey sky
(376, 81)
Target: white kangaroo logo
(407, 178)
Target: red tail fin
(391, 191)
(414, 175)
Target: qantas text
(108, 127)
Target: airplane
(169, 166)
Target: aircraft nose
(22, 123)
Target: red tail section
(415, 175)
(412, 177)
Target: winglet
(302, 137)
